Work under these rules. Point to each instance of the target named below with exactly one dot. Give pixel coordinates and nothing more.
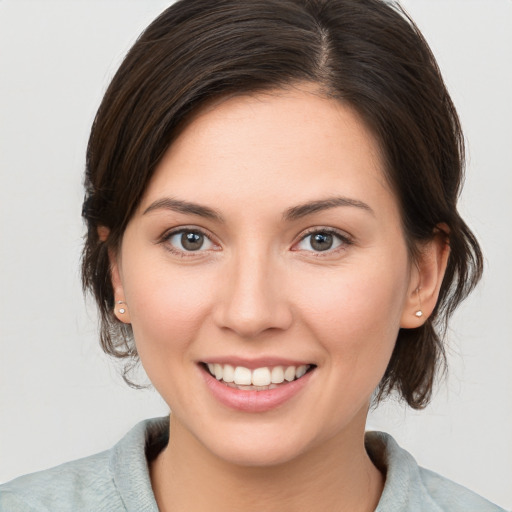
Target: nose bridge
(253, 300)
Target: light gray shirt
(118, 480)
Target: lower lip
(254, 401)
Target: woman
(272, 230)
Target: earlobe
(103, 233)
(426, 279)
(121, 310)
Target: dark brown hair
(366, 53)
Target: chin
(257, 452)
(264, 444)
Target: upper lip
(252, 364)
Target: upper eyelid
(343, 235)
(165, 241)
(184, 229)
(324, 229)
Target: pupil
(321, 241)
(192, 241)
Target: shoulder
(410, 488)
(74, 485)
(114, 480)
(452, 496)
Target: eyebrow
(305, 209)
(294, 213)
(177, 205)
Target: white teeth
(242, 376)
(277, 375)
(300, 371)
(260, 378)
(289, 373)
(229, 373)
(217, 369)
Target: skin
(257, 288)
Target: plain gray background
(61, 398)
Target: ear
(121, 310)
(426, 279)
(120, 307)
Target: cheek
(166, 309)
(355, 311)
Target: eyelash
(343, 238)
(165, 240)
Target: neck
(338, 475)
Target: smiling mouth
(259, 379)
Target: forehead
(281, 144)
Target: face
(268, 244)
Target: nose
(252, 298)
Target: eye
(322, 240)
(189, 240)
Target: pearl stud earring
(418, 313)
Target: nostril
(250, 324)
